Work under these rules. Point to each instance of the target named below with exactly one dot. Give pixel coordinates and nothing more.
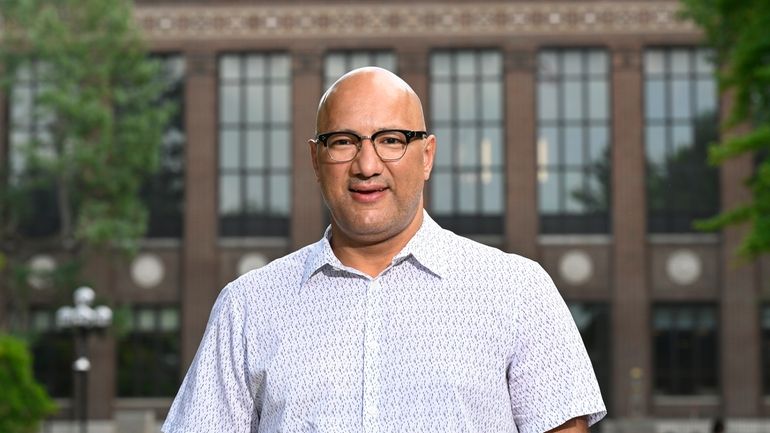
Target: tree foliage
(23, 403)
(738, 31)
(73, 180)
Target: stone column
(631, 339)
(521, 211)
(102, 345)
(306, 208)
(199, 261)
(102, 377)
(741, 376)
(413, 68)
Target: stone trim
(198, 22)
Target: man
(389, 323)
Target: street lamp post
(83, 320)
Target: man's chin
(368, 231)
(371, 226)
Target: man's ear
(313, 147)
(428, 154)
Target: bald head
(375, 202)
(364, 86)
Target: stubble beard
(376, 227)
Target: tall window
(53, 352)
(29, 132)
(148, 355)
(338, 63)
(254, 144)
(681, 120)
(164, 193)
(593, 322)
(466, 187)
(573, 153)
(686, 349)
(766, 348)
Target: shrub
(23, 402)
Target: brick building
(571, 132)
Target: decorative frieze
(427, 19)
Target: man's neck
(372, 256)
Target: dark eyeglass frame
(410, 137)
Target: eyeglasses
(389, 144)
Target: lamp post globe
(84, 296)
(83, 319)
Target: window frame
(139, 376)
(269, 223)
(667, 220)
(565, 221)
(677, 370)
(44, 219)
(479, 221)
(47, 342)
(168, 224)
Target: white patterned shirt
(453, 336)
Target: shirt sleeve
(550, 377)
(215, 395)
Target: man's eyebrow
(353, 131)
(347, 130)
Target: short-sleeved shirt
(453, 336)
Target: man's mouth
(367, 193)
(371, 190)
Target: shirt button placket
(372, 359)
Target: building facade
(571, 132)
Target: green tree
(23, 403)
(74, 177)
(738, 32)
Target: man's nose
(367, 163)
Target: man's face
(371, 200)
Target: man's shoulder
(281, 272)
(467, 250)
(471, 264)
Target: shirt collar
(320, 255)
(422, 246)
(425, 246)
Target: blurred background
(576, 133)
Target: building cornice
(191, 22)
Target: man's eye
(341, 142)
(390, 140)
